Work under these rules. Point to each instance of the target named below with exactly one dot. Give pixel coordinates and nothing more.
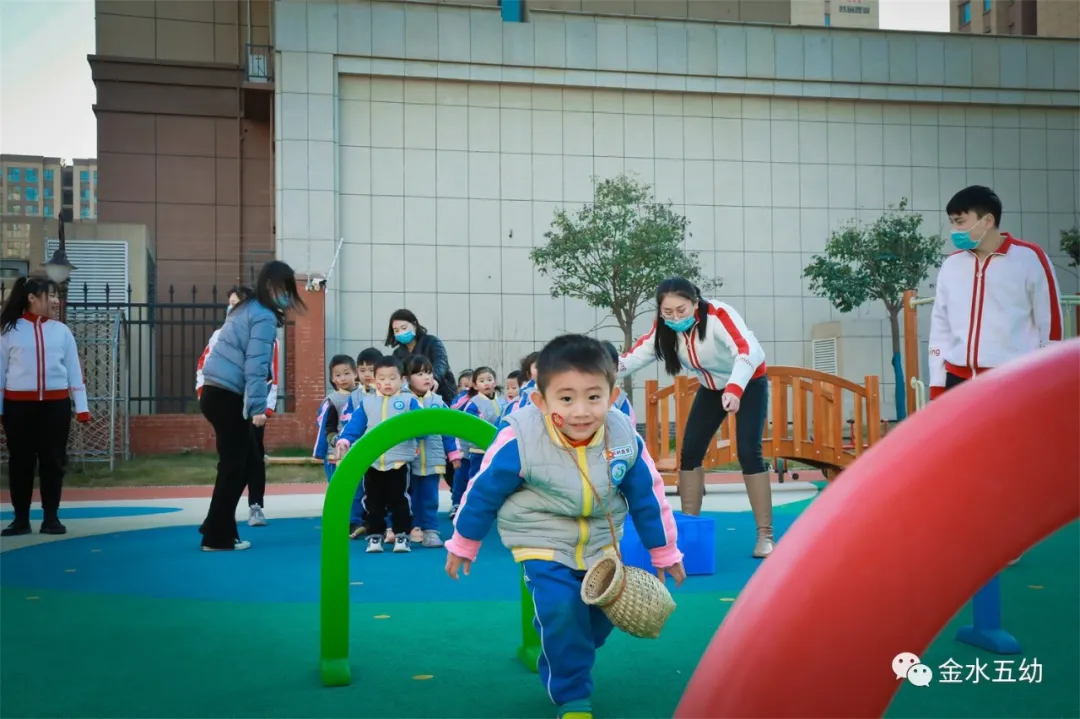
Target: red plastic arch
(889, 554)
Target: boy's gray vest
(379, 408)
(432, 456)
(489, 412)
(555, 512)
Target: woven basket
(635, 601)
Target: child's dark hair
(389, 361)
(612, 351)
(418, 364)
(666, 343)
(463, 374)
(526, 364)
(568, 353)
(978, 199)
(516, 375)
(18, 301)
(338, 360)
(369, 356)
(476, 373)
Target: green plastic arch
(334, 600)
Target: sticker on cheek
(557, 419)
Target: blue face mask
(282, 302)
(405, 337)
(962, 239)
(680, 325)
(228, 309)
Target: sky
(46, 103)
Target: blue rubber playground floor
(141, 624)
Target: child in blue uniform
(618, 400)
(435, 452)
(538, 480)
(481, 403)
(386, 481)
(528, 371)
(329, 420)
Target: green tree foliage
(1070, 245)
(879, 261)
(615, 251)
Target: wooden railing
(805, 423)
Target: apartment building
(184, 125)
(838, 13)
(1044, 18)
(36, 186)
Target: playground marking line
(382, 616)
(95, 550)
(29, 599)
(355, 584)
(1036, 586)
(423, 677)
(70, 571)
(727, 599)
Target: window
(14, 193)
(85, 194)
(31, 194)
(31, 210)
(965, 14)
(14, 209)
(84, 212)
(48, 176)
(828, 20)
(986, 6)
(47, 211)
(48, 193)
(14, 174)
(95, 177)
(84, 176)
(31, 176)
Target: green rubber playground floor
(80, 653)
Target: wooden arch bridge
(815, 418)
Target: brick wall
(305, 378)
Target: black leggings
(37, 437)
(237, 455)
(707, 414)
(256, 484)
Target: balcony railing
(260, 64)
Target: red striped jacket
(39, 360)
(993, 310)
(726, 359)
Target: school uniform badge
(399, 404)
(619, 468)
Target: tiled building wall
(438, 142)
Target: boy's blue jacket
(240, 361)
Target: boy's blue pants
(461, 480)
(358, 512)
(570, 632)
(424, 496)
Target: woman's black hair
(18, 302)
(276, 278)
(481, 370)
(417, 364)
(405, 316)
(666, 341)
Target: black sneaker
(52, 525)
(17, 528)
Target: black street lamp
(59, 269)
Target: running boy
(549, 480)
(995, 300)
(386, 482)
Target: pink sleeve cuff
(455, 455)
(664, 557)
(462, 547)
(734, 389)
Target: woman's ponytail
(15, 305)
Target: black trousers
(37, 437)
(256, 483)
(387, 491)
(952, 380)
(237, 455)
(707, 414)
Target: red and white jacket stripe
(271, 395)
(990, 311)
(39, 360)
(726, 359)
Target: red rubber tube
(882, 561)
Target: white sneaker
(431, 539)
(374, 544)
(239, 546)
(401, 544)
(256, 518)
